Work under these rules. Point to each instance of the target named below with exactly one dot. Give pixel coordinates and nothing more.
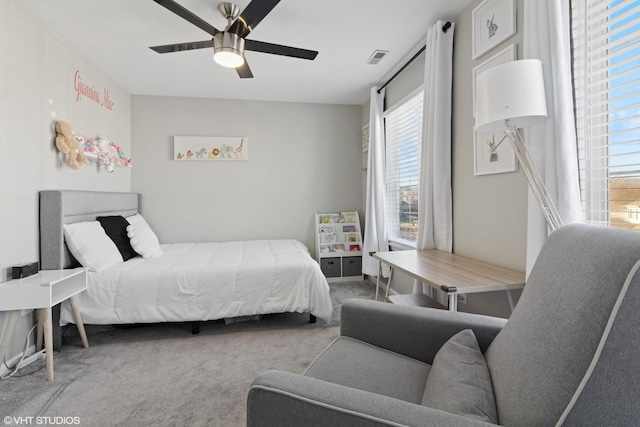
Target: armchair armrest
(284, 399)
(423, 330)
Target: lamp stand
(535, 181)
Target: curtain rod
(445, 27)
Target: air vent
(376, 57)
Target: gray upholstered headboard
(58, 207)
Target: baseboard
(11, 362)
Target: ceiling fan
(229, 45)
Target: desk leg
(45, 315)
(453, 302)
(11, 323)
(378, 280)
(386, 294)
(78, 318)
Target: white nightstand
(42, 291)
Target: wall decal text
(84, 90)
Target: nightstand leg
(48, 341)
(11, 323)
(40, 330)
(78, 318)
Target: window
(606, 67)
(403, 138)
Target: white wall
(36, 89)
(303, 158)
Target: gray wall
(489, 211)
(303, 158)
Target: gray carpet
(161, 375)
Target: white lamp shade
(511, 91)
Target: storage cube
(352, 266)
(330, 267)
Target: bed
(187, 282)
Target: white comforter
(206, 281)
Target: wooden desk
(449, 272)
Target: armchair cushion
(459, 381)
(283, 399)
(377, 370)
(415, 332)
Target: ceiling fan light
(228, 58)
(228, 50)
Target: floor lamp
(510, 96)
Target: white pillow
(137, 219)
(144, 241)
(90, 245)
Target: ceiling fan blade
(244, 71)
(278, 49)
(189, 16)
(179, 47)
(251, 16)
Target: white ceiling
(115, 36)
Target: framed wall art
(492, 153)
(506, 55)
(210, 148)
(493, 22)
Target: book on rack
(327, 237)
(326, 228)
(351, 216)
(329, 219)
(352, 237)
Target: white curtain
(552, 143)
(375, 235)
(435, 228)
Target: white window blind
(606, 67)
(403, 136)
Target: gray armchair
(569, 354)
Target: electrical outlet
(462, 298)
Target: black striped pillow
(116, 228)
